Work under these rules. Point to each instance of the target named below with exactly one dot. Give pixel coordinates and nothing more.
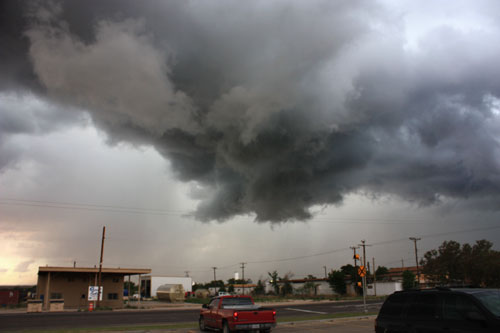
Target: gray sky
(276, 133)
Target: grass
(117, 328)
(195, 324)
(275, 299)
(197, 300)
(325, 316)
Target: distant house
(9, 296)
(396, 274)
(71, 284)
(151, 283)
(244, 289)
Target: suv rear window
(393, 306)
(424, 307)
(456, 307)
(490, 299)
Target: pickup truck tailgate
(254, 316)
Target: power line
(94, 208)
(347, 248)
(155, 211)
(373, 244)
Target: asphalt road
(60, 320)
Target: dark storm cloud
(275, 107)
(26, 114)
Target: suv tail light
(235, 315)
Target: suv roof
(467, 289)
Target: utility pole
(355, 257)
(415, 239)
(100, 268)
(243, 275)
(325, 272)
(363, 245)
(374, 277)
(215, 280)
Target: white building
(383, 288)
(150, 284)
(313, 287)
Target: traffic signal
(359, 284)
(356, 256)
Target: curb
(329, 320)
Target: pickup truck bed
(236, 313)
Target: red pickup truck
(236, 313)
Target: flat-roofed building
(71, 284)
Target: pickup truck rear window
(236, 301)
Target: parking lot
(362, 325)
(351, 325)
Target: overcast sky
(275, 133)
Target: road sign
(362, 271)
(93, 291)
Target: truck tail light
(235, 315)
(274, 314)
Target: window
(394, 305)
(236, 301)
(491, 300)
(214, 304)
(56, 296)
(456, 307)
(424, 307)
(112, 296)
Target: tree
(133, 287)
(349, 270)
(336, 280)
(239, 281)
(481, 264)
(381, 272)
(198, 286)
(310, 288)
(274, 281)
(408, 280)
(287, 285)
(259, 289)
(230, 289)
(451, 264)
(444, 265)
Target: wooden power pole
(100, 268)
(215, 280)
(415, 239)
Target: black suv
(440, 310)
